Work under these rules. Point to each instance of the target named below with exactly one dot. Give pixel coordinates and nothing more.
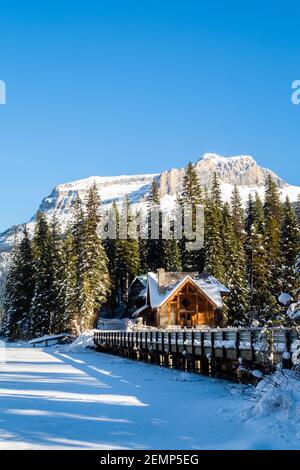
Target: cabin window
(185, 303)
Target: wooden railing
(208, 352)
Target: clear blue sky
(115, 87)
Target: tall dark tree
(111, 249)
(262, 301)
(44, 301)
(19, 290)
(70, 318)
(128, 260)
(289, 249)
(59, 322)
(273, 215)
(171, 249)
(214, 249)
(154, 244)
(238, 216)
(94, 282)
(237, 302)
(191, 197)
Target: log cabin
(182, 300)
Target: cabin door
(187, 312)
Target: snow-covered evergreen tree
(273, 215)
(191, 197)
(44, 301)
(262, 302)
(238, 216)
(111, 248)
(94, 282)
(171, 249)
(59, 320)
(70, 318)
(289, 250)
(19, 290)
(214, 250)
(154, 246)
(128, 259)
(237, 302)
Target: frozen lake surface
(96, 401)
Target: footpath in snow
(63, 400)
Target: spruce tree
(238, 216)
(237, 301)
(171, 249)
(191, 197)
(262, 302)
(214, 250)
(70, 318)
(44, 301)
(154, 246)
(289, 249)
(19, 290)
(273, 215)
(58, 315)
(94, 282)
(111, 248)
(128, 260)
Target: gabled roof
(208, 284)
(142, 279)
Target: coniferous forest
(59, 280)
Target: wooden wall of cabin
(187, 307)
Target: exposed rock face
(242, 171)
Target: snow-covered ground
(52, 399)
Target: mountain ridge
(240, 170)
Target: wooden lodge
(181, 300)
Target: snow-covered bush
(83, 343)
(277, 396)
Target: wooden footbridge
(222, 352)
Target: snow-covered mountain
(240, 170)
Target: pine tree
(43, 302)
(238, 216)
(94, 282)
(70, 318)
(191, 197)
(289, 249)
(128, 261)
(59, 322)
(235, 271)
(214, 250)
(19, 290)
(154, 246)
(171, 249)
(111, 248)
(273, 215)
(262, 301)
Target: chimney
(161, 280)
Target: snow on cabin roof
(142, 279)
(140, 310)
(208, 284)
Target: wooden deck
(229, 353)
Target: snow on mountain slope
(240, 170)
